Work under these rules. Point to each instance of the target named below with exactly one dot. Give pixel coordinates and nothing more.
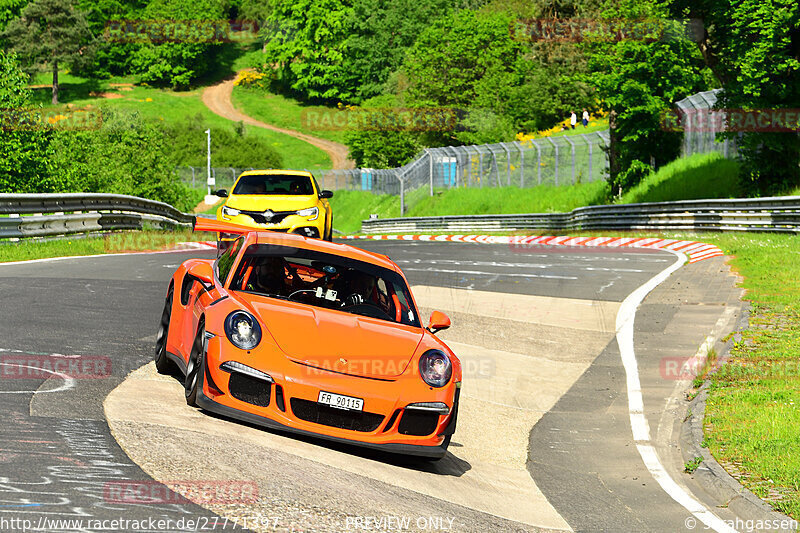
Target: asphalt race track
(544, 441)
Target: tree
(50, 32)
(455, 53)
(127, 155)
(178, 61)
(753, 48)
(24, 149)
(381, 31)
(306, 47)
(111, 58)
(9, 10)
(638, 80)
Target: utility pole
(210, 200)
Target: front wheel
(163, 364)
(329, 234)
(195, 366)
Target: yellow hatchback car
(278, 200)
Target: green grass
(351, 207)
(698, 176)
(500, 200)
(176, 107)
(128, 241)
(752, 423)
(286, 112)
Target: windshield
(274, 184)
(325, 280)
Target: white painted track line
(639, 425)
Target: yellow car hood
(277, 202)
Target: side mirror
(222, 193)
(438, 322)
(203, 272)
(326, 194)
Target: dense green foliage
(178, 64)
(753, 47)
(125, 155)
(231, 147)
(110, 58)
(381, 31)
(23, 151)
(483, 62)
(638, 80)
(307, 46)
(52, 33)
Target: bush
(127, 155)
(230, 147)
(178, 64)
(24, 162)
(636, 172)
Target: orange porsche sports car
(313, 337)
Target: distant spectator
(585, 119)
(573, 119)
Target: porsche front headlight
(230, 212)
(312, 212)
(435, 368)
(242, 330)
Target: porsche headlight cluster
(435, 368)
(243, 330)
(230, 212)
(312, 212)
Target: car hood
(338, 341)
(276, 202)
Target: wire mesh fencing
(197, 177)
(554, 161)
(701, 123)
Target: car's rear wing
(226, 232)
(219, 226)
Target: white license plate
(341, 402)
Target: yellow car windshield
(274, 184)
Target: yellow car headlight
(230, 212)
(312, 212)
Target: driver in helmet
(360, 289)
(270, 277)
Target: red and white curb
(695, 251)
(202, 245)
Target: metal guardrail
(776, 214)
(67, 214)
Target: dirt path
(218, 99)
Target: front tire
(163, 364)
(195, 366)
(329, 233)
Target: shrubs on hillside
(232, 147)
